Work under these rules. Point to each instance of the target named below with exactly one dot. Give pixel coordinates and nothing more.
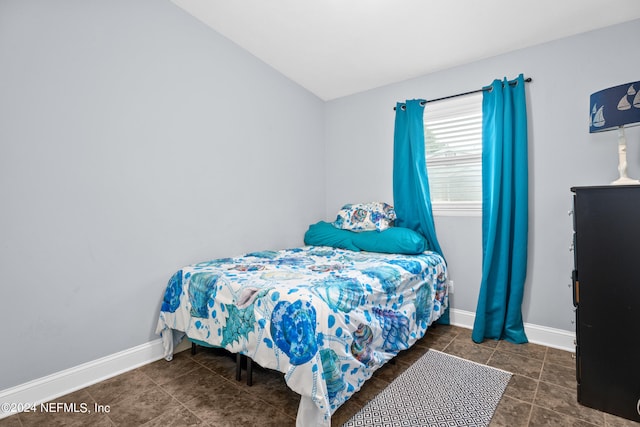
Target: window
(453, 145)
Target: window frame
(455, 208)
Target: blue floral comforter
(327, 318)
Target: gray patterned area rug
(437, 390)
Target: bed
(325, 316)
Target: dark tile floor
(201, 390)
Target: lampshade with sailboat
(616, 108)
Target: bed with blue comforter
(325, 317)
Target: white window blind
(453, 143)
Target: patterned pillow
(365, 217)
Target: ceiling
(336, 48)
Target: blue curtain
(504, 212)
(411, 197)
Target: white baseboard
(56, 385)
(550, 337)
(60, 383)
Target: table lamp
(615, 108)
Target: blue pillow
(325, 234)
(393, 240)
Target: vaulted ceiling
(336, 48)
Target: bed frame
(239, 360)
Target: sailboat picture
(624, 104)
(597, 117)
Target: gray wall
(359, 139)
(134, 140)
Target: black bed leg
(249, 371)
(193, 348)
(238, 366)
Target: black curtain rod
(527, 80)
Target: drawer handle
(638, 407)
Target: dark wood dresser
(606, 292)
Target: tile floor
(201, 390)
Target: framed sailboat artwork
(614, 109)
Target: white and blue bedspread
(327, 318)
